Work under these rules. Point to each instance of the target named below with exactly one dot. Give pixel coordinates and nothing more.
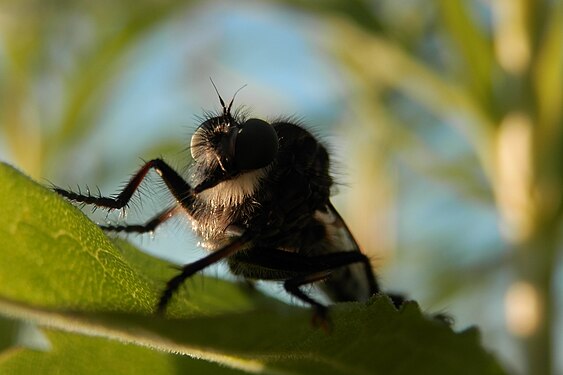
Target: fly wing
(348, 283)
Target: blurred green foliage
(487, 74)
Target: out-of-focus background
(444, 119)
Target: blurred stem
(543, 246)
(536, 263)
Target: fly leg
(179, 188)
(192, 268)
(149, 226)
(297, 270)
(292, 286)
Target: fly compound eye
(256, 144)
(196, 144)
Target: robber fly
(258, 197)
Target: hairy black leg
(292, 286)
(298, 270)
(296, 263)
(192, 268)
(179, 188)
(149, 226)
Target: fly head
(227, 145)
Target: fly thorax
(224, 206)
(233, 192)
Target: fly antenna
(233, 99)
(226, 111)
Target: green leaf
(62, 273)
(97, 355)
